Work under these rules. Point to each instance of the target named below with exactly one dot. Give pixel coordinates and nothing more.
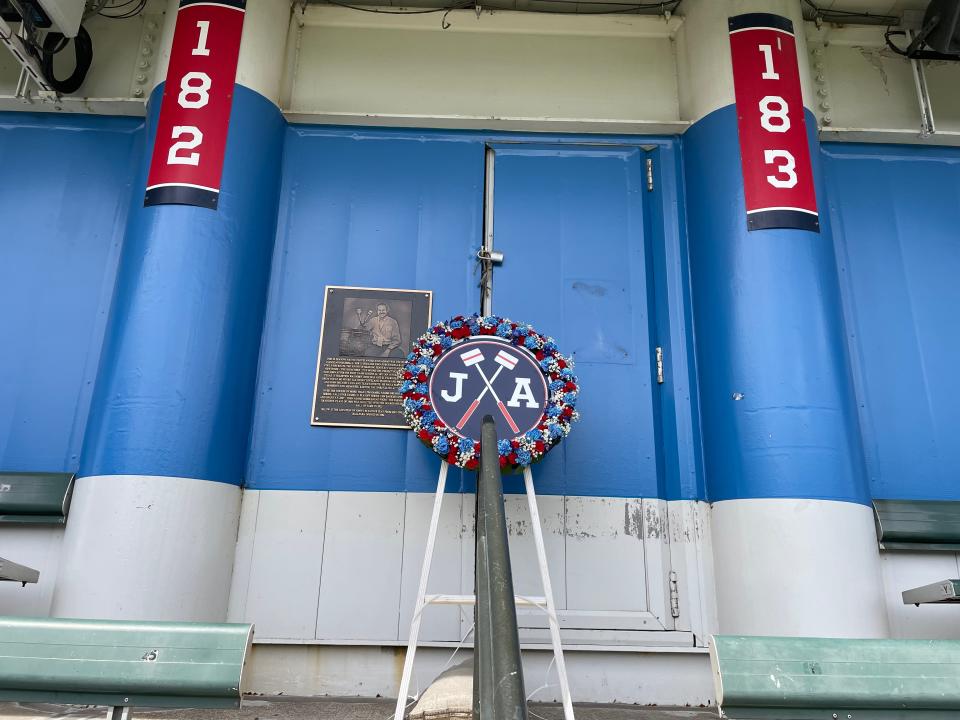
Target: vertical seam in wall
(323, 549)
(403, 547)
(253, 546)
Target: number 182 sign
(774, 151)
(191, 135)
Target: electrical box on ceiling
(944, 16)
(62, 16)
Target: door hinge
(650, 174)
(674, 595)
(659, 366)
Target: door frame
(687, 557)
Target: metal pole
(498, 692)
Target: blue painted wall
(404, 209)
(776, 399)
(65, 186)
(175, 391)
(895, 212)
(593, 291)
(372, 210)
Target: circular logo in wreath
(469, 367)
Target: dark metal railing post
(498, 692)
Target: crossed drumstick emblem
(504, 360)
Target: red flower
(561, 363)
(460, 332)
(425, 407)
(514, 444)
(484, 330)
(569, 387)
(407, 375)
(540, 355)
(438, 423)
(472, 463)
(422, 377)
(540, 446)
(424, 435)
(567, 412)
(452, 456)
(437, 349)
(512, 458)
(503, 461)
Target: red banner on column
(195, 109)
(774, 151)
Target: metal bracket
(659, 366)
(492, 256)
(142, 79)
(674, 595)
(927, 125)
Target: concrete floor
(327, 708)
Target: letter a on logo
(522, 391)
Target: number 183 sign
(774, 151)
(191, 135)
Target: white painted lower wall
(797, 567)
(907, 570)
(646, 678)
(329, 580)
(140, 547)
(782, 567)
(343, 567)
(37, 547)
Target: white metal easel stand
(545, 603)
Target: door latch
(493, 256)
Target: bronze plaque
(365, 334)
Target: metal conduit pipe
(498, 692)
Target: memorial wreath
(515, 452)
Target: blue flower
(489, 320)
(553, 411)
(520, 332)
(446, 341)
(466, 445)
(428, 417)
(555, 431)
(530, 342)
(456, 324)
(556, 385)
(549, 346)
(503, 446)
(567, 372)
(426, 362)
(534, 435)
(474, 326)
(503, 330)
(523, 457)
(570, 398)
(442, 445)
(406, 386)
(412, 357)
(545, 364)
(422, 389)
(410, 404)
